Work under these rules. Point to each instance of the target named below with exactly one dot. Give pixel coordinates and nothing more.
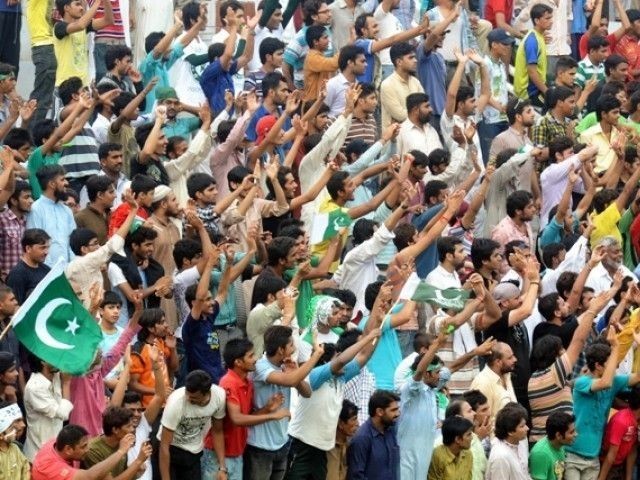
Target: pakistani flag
(54, 325)
(325, 226)
(419, 291)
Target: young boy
(13, 464)
(109, 314)
(142, 188)
(317, 67)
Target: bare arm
(83, 22)
(107, 19)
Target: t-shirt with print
(72, 53)
(190, 423)
(186, 77)
(546, 462)
(202, 345)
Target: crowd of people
(352, 240)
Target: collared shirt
(586, 70)
(511, 138)
(499, 90)
(446, 465)
(413, 137)
(239, 391)
(507, 231)
(12, 228)
(600, 280)
(606, 154)
(296, 52)
(121, 186)
(432, 73)
(553, 182)
(56, 219)
(261, 33)
(342, 19)
(358, 390)
(393, 93)
(446, 128)
(336, 99)
(337, 462)
(547, 129)
(498, 389)
(373, 455)
(95, 221)
(317, 68)
(364, 129)
(507, 462)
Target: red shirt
(49, 465)
(239, 392)
(120, 214)
(629, 48)
(493, 7)
(622, 431)
(584, 40)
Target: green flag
(54, 325)
(325, 226)
(453, 298)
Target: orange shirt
(141, 365)
(317, 69)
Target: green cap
(164, 93)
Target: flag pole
(5, 330)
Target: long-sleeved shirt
(87, 391)
(46, 411)
(226, 156)
(56, 219)
(507, 462)
(394, 91)
(317, 69)
(413, 137)
(373, 455)
(553, 181)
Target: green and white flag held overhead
(420, 291)
(325, 226)
(54, 325)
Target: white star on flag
(72, 326)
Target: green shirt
(590, 120)
(305, 293)
(36, 161)
(446, 466)
(99, 451)
(546, 462)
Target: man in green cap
(182, 126)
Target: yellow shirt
(606, 225)
(39, 22)
(447, 466)
(320, 249)
(606, 155)
(72, 55)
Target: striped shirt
(116, 29)
(80, 156)
(586, 70)
(296, 52)
(366, 130)
(549, 392)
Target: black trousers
(10, 24)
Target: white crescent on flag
(41, 324)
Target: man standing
(28, 272)
(186, 419)
(13, 223)
(416, 132)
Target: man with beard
(13, 223)
(177, 126)
(352, 63)
(274, 97)
(50, 214)
(416, 133)
(601, 277)
(516, 225)
(111, 162)
(95, 215)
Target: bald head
(502, 360)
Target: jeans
(10, 23)
(44, 82)
(405, 339)
(262, 464)
(487, 132)
(210, 466)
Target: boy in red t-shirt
(620, 440)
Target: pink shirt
(49, 465)
(87, 392)
(506, 231)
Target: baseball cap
(263, 126)
(165, 93)
(501, 36)
(505, 291)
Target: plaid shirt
(359, 390)
(11, 230)
(547, 129)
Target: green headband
(5, 76)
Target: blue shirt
(269, 435)
(228, 312)
(202, 345)
(57, 220)
(322, 374)
(373, 455)
(367, 44)
(261, 112)
(579, 22)
(432, 74)
(387, 355)
(158, 67)
(591, 410)
(428, 259)
(6, 8)
(215, 81)
(531, 54)
(181, 127)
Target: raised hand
(27, 109)
(252, 101)
(127, 442)
(204, 113)
(293, 102)
(253, 21)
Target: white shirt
(389, 26)
(413, 137)
(142, 435)
(600, 280)
(336, 88)
(190, 423)
(359, 269)
(46, 411)
(446, 127)
(100, 127)
(441, 278)
(261, 33)
(186, 77)
(507, 461)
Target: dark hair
(366, 90)
(349, 53)
(20, 186)
(433, 189)
(17, 138)
(281, 177)
(336, 183)
(454, 427)
(475, 398)
(198, 182)
(438, 156)
(634, 398)
(80, 237)
(70, 435)
(35, 362)
(516, 106)
(399, 50)
(314, 33)
(110, 298)
(558, 145)
(381, 399)
(545, 352)
(596, 42)
(504, 156)
(538, 11)
(141, 235)
(547, 305)
(142, 133)
(420, 341)
(269, 46)
(43, 130)
(348, 411)
(236, 349)
(142, 184)
(559, 422)
(47, 173)
(186, 249)
(224, 6)
(597, 353)
(612, 88)
(190, 14)
(557, 94)
(310, 8)
(237, 174)
(198, 381)
(276, 337)
(347, 339)
(420, 159)
(481, 250)
(603, 198)
(279, 249)
(550, 251)
(67, 89)
(97, 184)
(370, 294)
(565, 283)
(634, 101)
(508, 419)
(115, 53)
(150, 318)
(464, 93)
(106, 148)
(605, 104)
(266, 285)
(152, 40)
(564, 63)
(363, 230)
(34, 236)
(447, 245)
(131, 397)
(612, 62)
(404, 234)
(345, 296)
(115, 417)
(518, 200)
(414, 100)
(120, 102)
